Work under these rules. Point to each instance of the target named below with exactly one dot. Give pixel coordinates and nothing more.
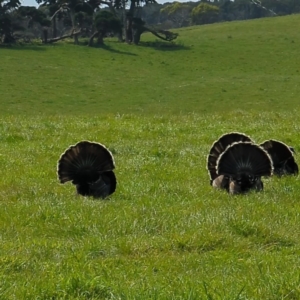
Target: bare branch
(91, 40)
(105, 3)
(258, 3)
(169, 36)
(62, 8)
(73, 33)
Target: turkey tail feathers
(219, 146)
(244, 158)
(84, 162)
(282, 156)
(291, 167)
(279, 151)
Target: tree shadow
(164, 46)
(34, 47)
(108, 48)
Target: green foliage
(105, 21)
(178, 12)
(138, 21)
(205, 13)
(9, 4)
(7, 23)
(84, 7)
(83, 19)
(174, 8)
(35, 15)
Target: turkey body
(236, 164)
(89, 166)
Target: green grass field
(165, 233)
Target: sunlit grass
(165, 233)
(237, 65)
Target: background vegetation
(165, 233)
(54, 20)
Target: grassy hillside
(165, 233)
(248, 65)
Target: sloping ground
(237, 65)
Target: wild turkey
(89, 166)
(218, 147)
(244, 163)
(282, 156)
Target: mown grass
(165, 233)
(248, 65)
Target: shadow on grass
(164, 46)
(108, 48)
(157, 45)
(34, 47)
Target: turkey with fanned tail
(218, 147)
(89, 166)
(244, 163)
(282, 156)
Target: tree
(178, 12)
(35, 16)
(72, 7)
(130, 15)
(7, 24)
(205, 13)
(104, 22)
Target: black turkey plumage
(282, 156)
(218, 147)
(89, 166)
(244, 163)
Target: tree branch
(59, 10)
(53, 40)
(169, 36)
(91, 40)
(258, 3)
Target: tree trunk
(8, 38)
(137, 36)
(100, 38)
(54, 28)
(72, 13)
(45, 35)
(120, 36)
(137, 30)
(128, 36)
(91, 40)
(124, 20)
(129, 18)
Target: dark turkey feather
(290, 167)
(219, 147)
(244, 157)
(282, 157)
(244, 163)
(89, 166)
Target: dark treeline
(54, 20)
